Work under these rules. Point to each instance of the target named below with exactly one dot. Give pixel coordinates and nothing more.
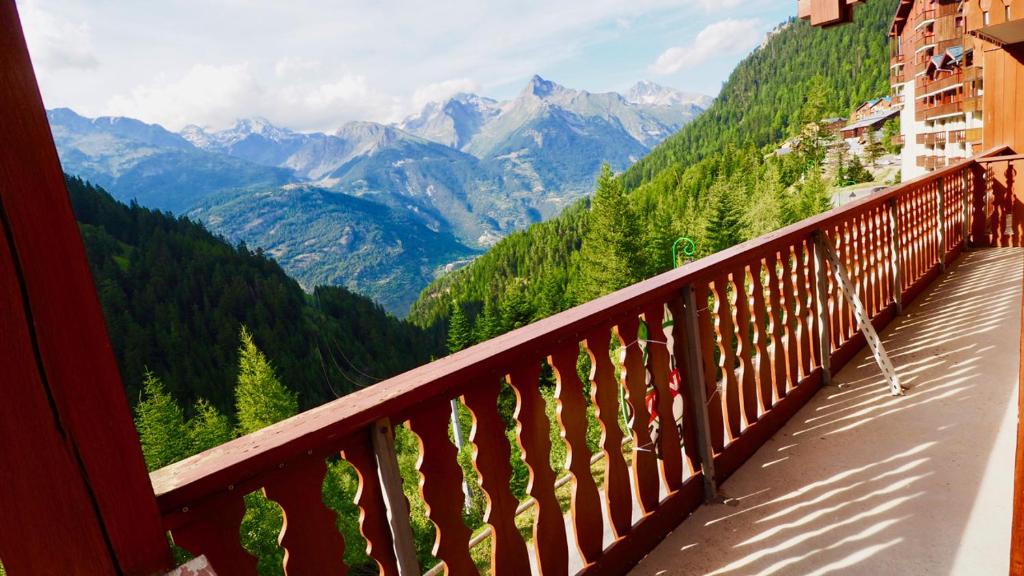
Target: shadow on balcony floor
(859, 482)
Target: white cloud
(719, 5)
(726, 37)
(439, 91)
(207, 95)
(57, 43)
(216, 96)
(291, 66)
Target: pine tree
(890, 131)
(658, 241)
(208, 427)
(260, 398)
(161, 425)
(459, 334)
(763, 212)
(874, 149)
(813, 197)
(610, 257)
(516, 310)
(488, 323)
(856, 172)
(725, 227)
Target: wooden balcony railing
(750, 334)
(931, 138)
(944, 107)
(927, 85)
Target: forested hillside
(762, 101)
(175, 297)
(715, 181)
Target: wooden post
(822, 318)
(697, 394)
(940, 216)
(71, 366)
(894, 255)
(383, 436)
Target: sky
(316, 64)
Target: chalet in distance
(850, 383)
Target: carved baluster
(792, 323)
(572, 415)
(439, 472)
(309, 534)
(835, 300)
(708, 342)
(779, 337)
(762, 334)
(534, 439)
(869, 264)
(803, 310)
(811, 317)
(881, 280)
(847, 262)
(725, 336)
(604, 391)
(634, 382)
(373, 515)
(680, 343)
(658, 368)
(491, 453)
(213, 530)
(744, 348)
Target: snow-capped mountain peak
(648, 93)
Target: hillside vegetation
(175, 297)
(715, 181)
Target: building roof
(871, 120)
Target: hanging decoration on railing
(689, 249)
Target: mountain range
(381, 209)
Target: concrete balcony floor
(860, 482)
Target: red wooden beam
(70, 348)
(1017, 524)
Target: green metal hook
(689, 249)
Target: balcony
(751, 371)
(957, 136)
(926, 85)
(931, 138)
(946, 106)
(763, 344)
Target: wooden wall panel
(72, 351)
(43, 500)
(1004, 97)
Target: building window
(1008, 18)
(985, 17)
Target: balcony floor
(859, 482)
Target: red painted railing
(754, 332)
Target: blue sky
(316, 64)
